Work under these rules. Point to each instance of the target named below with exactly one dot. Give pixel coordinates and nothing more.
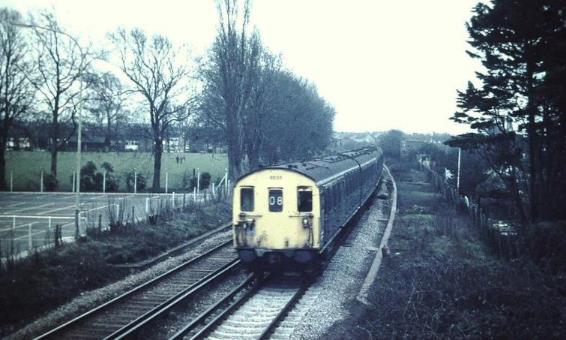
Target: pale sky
(381, 64)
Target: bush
(112, 182)
(130, 181)
(204, 180)
(88, 177)
(50, 182)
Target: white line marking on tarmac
(12, 212)
(57, 209)
(13, 205)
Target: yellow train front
(285, 215)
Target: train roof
(326, 167)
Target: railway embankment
(441, 281)
(56, 284)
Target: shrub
(88, 177)
(130, 181)
(112, 182)
(50, 182)
(204, 180)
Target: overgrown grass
(26, 167)
(51, 278)
(442, 282)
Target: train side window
(275, 200)
(247, 199)
(304, 199)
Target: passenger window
(247, 199)
(304, 199)
(275, 200)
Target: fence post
(213, 184)
(135, 182)
(117, 212)
(30, 238)
(184, 199)
(14, 223)
(11, 181)
(166, 182)
(104, 181)
(49, 224)
(198, 181)
(173, 200)
(195, 195)
(41, 181)
(147, 206)
(74, 179)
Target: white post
(458, 176)
(14, 222)
(49, 224)
(41, 181)
(30, 238)
(166, 182)
(117, 211)
(194, 194)
(135, 182)
(104, 181)
(74, 184)
(147, 206)
(11, 181)
(198, 181)
(213, 188)
(226, 181)
(173, 199)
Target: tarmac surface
(28, 219)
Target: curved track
(126, 312)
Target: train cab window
(247, 199)
(275, 200)
(304, 199)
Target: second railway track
(126, 312)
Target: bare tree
(61, 63)
(106, 101)
(230, 75)
(157, 74)
(16, 92)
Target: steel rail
(202, 317)
(286, 309)
(56, 332)
(208, 328)
(135, 326)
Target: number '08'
(273, 201)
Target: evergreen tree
(511, 109)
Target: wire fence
(21, 235)
(499, 234)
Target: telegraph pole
(78, 184)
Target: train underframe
(283, 260)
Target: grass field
(26, 167)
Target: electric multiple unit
(285, 215)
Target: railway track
(125, 313)
(267, 308)
(248, 312)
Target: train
(285, 216)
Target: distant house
(88, 143)
(18, 143)
(131, 145)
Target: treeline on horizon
(239, 93)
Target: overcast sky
(381, 64)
